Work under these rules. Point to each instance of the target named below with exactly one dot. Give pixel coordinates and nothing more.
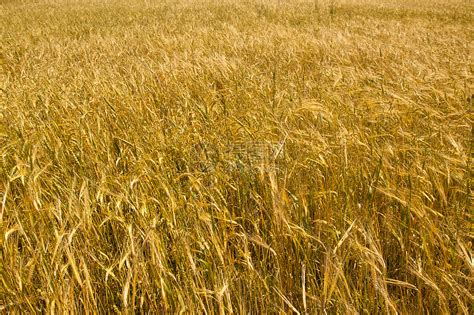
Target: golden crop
(218, 156)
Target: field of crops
(248, 157)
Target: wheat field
(247, 157)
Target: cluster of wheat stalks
(124, 129)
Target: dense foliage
(236, 156)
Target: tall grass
(236, 156)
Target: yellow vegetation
(239, 156)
